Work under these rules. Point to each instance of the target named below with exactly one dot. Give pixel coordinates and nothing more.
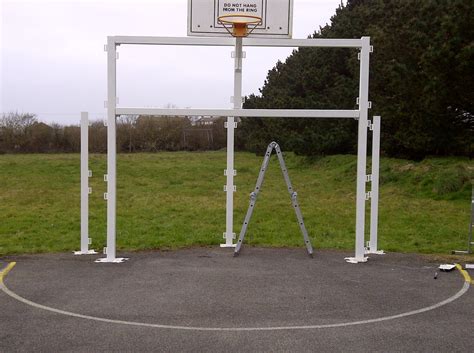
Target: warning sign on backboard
(241, 7)
(276, 15)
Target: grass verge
(171, 200)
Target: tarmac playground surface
(205, 300)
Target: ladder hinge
(369, 104)
(371, 49)
(106, 178)
(358, 56)
(370, 126)
(368, 178)
(357, 100)
(226, 125)
(105, 196)
(89, 173)
(105, 250)
(89, 190)
(89, 241)
(234, 187)
(368, 195)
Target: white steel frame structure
(85, 189)
(363, 44)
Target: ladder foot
(236, 254)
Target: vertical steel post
(237, 102)
(362, 152)
(85, 174)
(111, 151)
(374, 191)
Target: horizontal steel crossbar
(261, 113)
(247, 42)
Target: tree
(126, 132)
(16, 130)
(423, 54)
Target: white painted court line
(451, 299)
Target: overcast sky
(53, 63)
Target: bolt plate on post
(233, 55)
(117, 260)
(224, 235)
(355, 260)
(239, 99)
(88, 252)
(227, 125)
(374, 252)
(225, 172)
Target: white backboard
(277, 17)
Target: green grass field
(172, 200)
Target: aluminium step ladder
(253, 198)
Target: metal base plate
(355, 260)
(228, 245)
(88, 252)
(375, 252)
(117, 260)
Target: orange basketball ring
(239, 24)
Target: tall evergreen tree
(421, 81)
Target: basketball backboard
(276, 15)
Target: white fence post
(361, 196)
(229, 234)
(111, 196)
(374, 199)
(85, 174)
